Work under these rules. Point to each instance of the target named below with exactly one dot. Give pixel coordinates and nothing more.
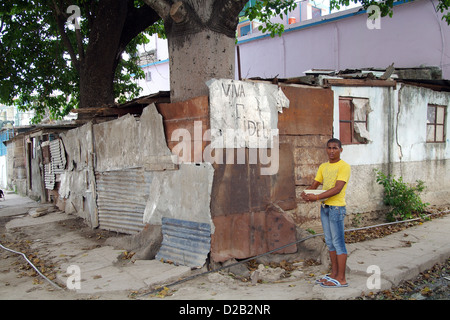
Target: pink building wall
(414, 36)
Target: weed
(403, 198)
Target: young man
(334, 175)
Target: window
(353, 120)
(34, 147)
(435, 123)
(5, 135)
(316, 12)
(244, 30)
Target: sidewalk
(57, 238)
(104, 275)
(14, 204)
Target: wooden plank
(89, 110)
(107, 111)
(359, 83)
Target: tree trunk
(96, 83)
(113, 24)
(201, 37)
(199, 58)
(99, 63)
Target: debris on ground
(385, 230)
(432, 284)
(42, 210)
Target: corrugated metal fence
(185, 242)
(121, 199)
(54, 161)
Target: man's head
(334, 149)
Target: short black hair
(334, 140)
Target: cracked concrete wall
(77, 185)
(130, 142)
(183, 194)
(416, 158)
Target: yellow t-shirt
(328, 174)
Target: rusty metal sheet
(194, 108)
(240, 188)
(185, 242)
(246, 235)
(310, 111)
(182, 115)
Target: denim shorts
(333, 227)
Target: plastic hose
(32, 265)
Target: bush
(403, 198)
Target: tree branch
(162, 7)
(178, 12)
(80, 44)
(138, 19)
(61, 21)
(220, 20)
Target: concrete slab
(154, 272)
(94, 259)
(402, 255)
(105, 279)
(28, 221)
(104, 275)
(172, 193)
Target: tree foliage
(33, 58)
(41, 64)
(265, 10)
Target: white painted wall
(375, 152)
(160, 78)
(412, 125)
(159, 68)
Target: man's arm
(313, 186)
(327, 194)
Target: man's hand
(309, 197)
